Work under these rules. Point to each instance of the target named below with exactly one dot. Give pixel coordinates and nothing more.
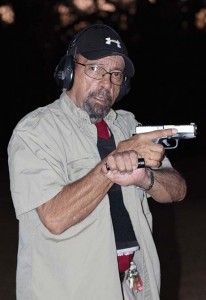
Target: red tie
(102, 130)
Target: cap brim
(129, 67)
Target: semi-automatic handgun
(184, 132)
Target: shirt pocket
(77, 168)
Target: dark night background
(169, 52)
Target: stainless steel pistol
(184, 132)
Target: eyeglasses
(96, 72)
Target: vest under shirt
(123, 230)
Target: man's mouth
(100, 99)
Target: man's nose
(106, 79)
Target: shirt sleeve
(36, 172)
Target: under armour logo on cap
(109, 41)
(98, 41)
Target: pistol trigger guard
(168, 145)
(175, 144)
(165, 142)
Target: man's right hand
(145, 146)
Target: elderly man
(80, 178)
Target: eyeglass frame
(125, 77)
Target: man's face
(95, 96)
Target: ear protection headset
(64, 72)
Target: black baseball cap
(98, 41)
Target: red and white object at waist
(124, 257)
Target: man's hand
(144, 145)
(121, 166)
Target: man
(80, 179)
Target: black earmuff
(64, 72)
